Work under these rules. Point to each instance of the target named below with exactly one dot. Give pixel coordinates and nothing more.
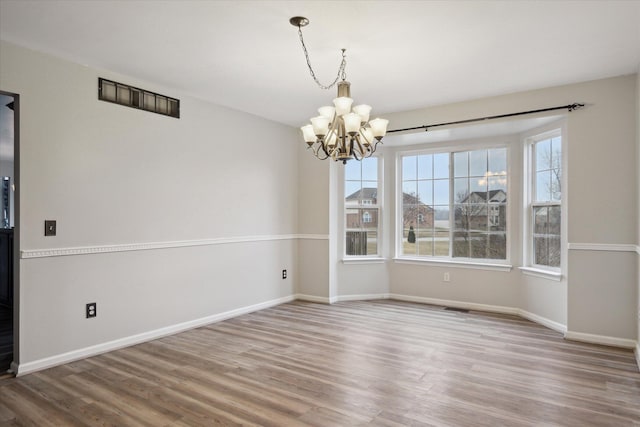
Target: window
(545, 206)
(454, 204)
(362, 205)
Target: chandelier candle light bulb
(341, 132)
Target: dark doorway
(8, 126)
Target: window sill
(356, 260)
(461, 264)
(541, 273)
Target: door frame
(16, 230)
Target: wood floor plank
(378, 363)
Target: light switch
(49, 227)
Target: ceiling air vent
(120, 93)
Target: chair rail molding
(127, 247)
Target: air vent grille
(120, 93)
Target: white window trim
(557, 128)
(479, 144)
(454, 263)
(363, 259)
(355, 259)
(542, 273)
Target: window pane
(556, 153)
(369, 168)
(461, 217)
(409, 215)
(441, 217)
(460, 244)
(478, 163)
(441, 243)
(540, 221)
(498, 161)
(361, 243)
(461, 190)
(409, 191)
(554, 220)
(408, 168)
(441, 192)
(554, 251)
(461, 164)
(479, 244)
(497, 246)
(352, 191)
(498, 183)
(424, 245)
(479, 186)
(543, 155)
(352, 171)
(543, 186)
(498, 217)
(556, 185)
(425, 167)
(541, 250)
(409, 239)
(441, 165)
(425, 192)
(369, 192)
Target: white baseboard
(48, 362)
(313, 298)
(364, 297)
(37, 365)
(551, 324)
(600, 339)
(457, 304)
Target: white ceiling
(401, 54)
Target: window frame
(450, 149)
(369, 206)
(529, 204)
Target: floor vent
(461, 310)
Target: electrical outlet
(92, 310)
(284, 274)
(49, 227)
(447, 277)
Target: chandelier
(342, 131)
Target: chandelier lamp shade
(341, 131)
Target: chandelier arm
(341, 69)
(361, 147)
(317, 152)
(375, 147)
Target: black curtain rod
(569, 107)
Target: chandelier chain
(341, 70)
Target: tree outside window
(546, 204)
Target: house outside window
(362, 207)
(454, 204)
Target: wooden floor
(383, 363)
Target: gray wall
(113, 177)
